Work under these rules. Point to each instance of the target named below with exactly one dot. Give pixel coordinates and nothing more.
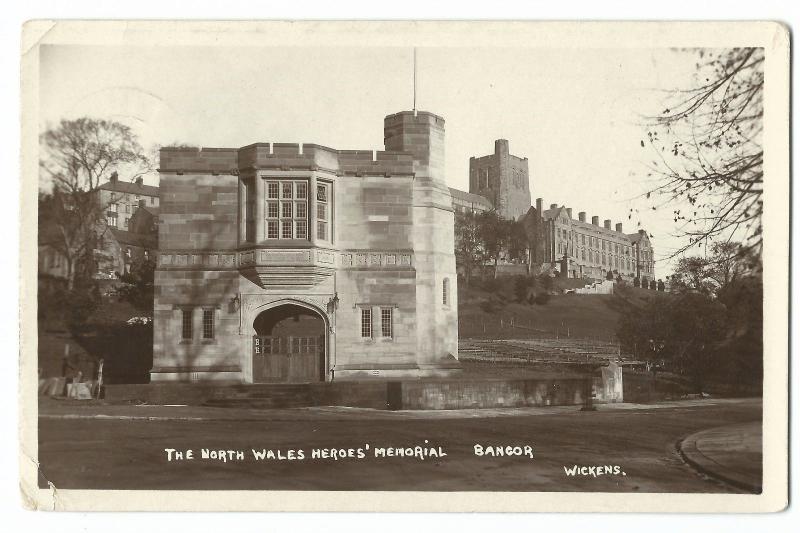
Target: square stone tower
(503, 179)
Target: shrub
(542, 298)
(520, 288)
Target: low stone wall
(164, 393)
(491, 393)
(397, 395)
(369, 394)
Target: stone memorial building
(298, 263)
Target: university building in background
(557, 242)
(286, 263)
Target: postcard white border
(772, 36)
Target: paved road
(729, 453)
(123, 447)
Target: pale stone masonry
(503, 179)
(584, 249)
(263, 239)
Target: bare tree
(78, 156)
(709, 153)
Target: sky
(578, 115)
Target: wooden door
(288, 359)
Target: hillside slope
(488, 312)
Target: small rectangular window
(446, 292)
(272, 209)
(323, 213)
(186, 324)
(366, 323)
(208, 323)
(287, 190)
(386, 322)
(286, 209)
(272, 190)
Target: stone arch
(290, 342)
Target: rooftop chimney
(114, 176)
(569, 212)
(139, 181)
(582, 216)
(607, 224)
(501, 146)
(596, 220)
(619, 227)
(539, 206)
(553, 206)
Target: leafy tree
(517, 240)
(610, 276)
(706, 338)
(709, 153)
(468, 251)
(545, 281)
(521, 288)
(636, 281)
(727, 263)
(679, 333)
(743, 343)
(137, 285)
(661, 287)
(492, 235)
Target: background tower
(503, 179)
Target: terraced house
(297, 263)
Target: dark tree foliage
(517, 240)
(468, 252)
(610, 276)
(521, 288)
(492, 235)
(137, 285)
(710, 340)
(727, 263)
(709, 153)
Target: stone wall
(198, 212)
(391, 247)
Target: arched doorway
(289, 345)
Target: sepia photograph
(520, 260)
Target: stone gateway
(286, 263)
